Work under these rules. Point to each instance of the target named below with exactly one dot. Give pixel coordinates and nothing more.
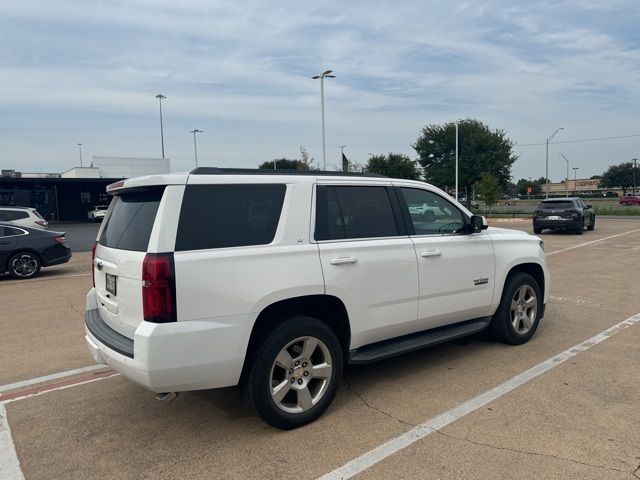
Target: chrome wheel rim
(24, 265)
(300, 375)
(524, 307)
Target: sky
(88, 71)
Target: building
(582, 186)
(69, 195)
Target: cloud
(240, 71)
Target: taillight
(42, 223)
(93, 263)
(59, 239)
(158, 288)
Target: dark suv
(564, 213)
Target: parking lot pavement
(575, 421)
(80, 236)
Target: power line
(577, 141)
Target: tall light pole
(80, 149)
(195, 144)
(161, 97)
(575, 181)
(546, 178)
(322, 76)
(567, 178)
(345, 164)
(635, 165)
(457, 161)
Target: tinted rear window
(131, 220)
(218, 216)
(10, 215)
(354, 212)
(560, 205)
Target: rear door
(7, 244)
(367, 259)
(122, 245)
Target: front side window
(430, 213)
(231, 215)
(346, 212)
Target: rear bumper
(172, 357)
(59, 256)
(572, 223)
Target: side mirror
(589, 205)
(478, 223)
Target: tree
(480, 150)
(394, 165)
(305, 162)
(523, 185)
(620, 176)
(488, 189)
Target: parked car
(630, 200)
(97, 213)
(25, 216)
(570, 213)
(275, 281)
(24, 250)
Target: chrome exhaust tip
(166, 397)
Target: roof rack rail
(258, 171)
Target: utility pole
(567, 177)
(635, 165)
(195, 145)
(161, 97)
(546, 177)
(575, 182)
(80, 148)
(322, 76)
(345, 164)
(457, 163)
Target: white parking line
(592, 242)
(47, 378)
(394, 445)
(43, 279)
(9, 463)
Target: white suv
(25, 216)
(275, 281)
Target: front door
(367, 260)
(456, 269)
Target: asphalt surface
(80, 236)
(578, 420)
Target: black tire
(537, 231)
(24, 265)
(256, 382)
(501, 325)
(580, 229)
(593, 224)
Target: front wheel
(295, 374)
(518, 315)
(24, 265)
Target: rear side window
(233, 215)
(131, 220)
(10, 232)
(10, 215)
(559, 205)
(344, 212)
(37, 214)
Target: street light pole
(161, 97)
(195, 145)
(567, 178)
(546, 178)
(635, 165)
(575, 182)
(80, 148)
(457, 162)
(322, 76)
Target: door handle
(431, 253)
(5, 243)
(342, 260)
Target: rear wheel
(537, 230)
(295, 374)
(593, 224)
(24, 265)
(580, 228)
(517, 317)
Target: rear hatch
(119, 255)
(556, 210)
